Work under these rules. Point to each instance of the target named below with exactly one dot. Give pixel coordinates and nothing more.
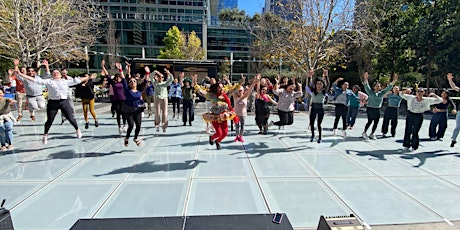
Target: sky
(251, 6)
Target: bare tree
(56, 30)
(306, 34)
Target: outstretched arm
(451, 82)
(120, 69)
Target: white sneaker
(79, 133)
(344, 133)
(373, 137)
(142, 114)
(125, 128)
(120, 130)
(335, 132)
(365, 136)
(406, 148)
(432, 139)
(45, 139)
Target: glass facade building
(137, 27)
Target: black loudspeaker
(5, 218)
(157, 223)
(339, 222)
(238, 222)
(221, 222)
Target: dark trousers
(188, 110)
(438, 119)
(53, 107)
(134, 118)
(413, 123)
(391, 114)
(352, 114)
(341, 111)
(373, 115)
(175, 104)
(117, 106)
(317, 110)
(286, 118)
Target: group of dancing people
(132, 94)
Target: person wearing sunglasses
(160, 101)
(58, 98)
(416, 106)
(133, 106)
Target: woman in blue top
(175, 94)
(342, 101)
(391, 112)
(133, 106)
(374, 103)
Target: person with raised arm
(355, 103)
(416, 106)
(85, 90)
(241, 105)
(160, 96)
(175, 95)
(317, 89)
(287, 96)
(220, 112)
(391, 112)
(450, 78)
(133, 106)
(71, 102)
(342, 97)
(118, 97)
(34, 92)
(262, 109)
(58, 98)
(374, 103)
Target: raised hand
(366, 76)
(325, 72)
(450, 77)
(93, 76)
(45, 63)
(118, 65)
(311, 72)
(147, 69)
(16, 62)
(103, 63)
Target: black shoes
(453, 143)
(217, 145)
(211, 142)
(86, 125)
(96, 124)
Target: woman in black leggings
(132, 107)
(317, 90)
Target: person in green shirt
(160, 101)
(374, 103)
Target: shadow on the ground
(150, 166)
(70, 154)
(377, 154)
(423, 156)
(259, 149)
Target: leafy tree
(57, 30)
(178, 45)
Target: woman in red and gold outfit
(221, 111)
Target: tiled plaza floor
(178, 173)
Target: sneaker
(384, 135)
(158, 128)
(96, 123)
(79, 133)
(372, 136)
(185, 124)
(190, 123)
(241, 139)
(18, 119)
(365, 136)
(217, 145)
(237, 138)
(406, 148)
(335, 132)
(312, 138)
(120, 130)
(452, 144)
(86, 125)
(164, 129)
(440, 139)
(45, 139)
(142, 114)
(32, 118)
(432, 139)
(319, 141)
(125, 128)
(344, 133)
